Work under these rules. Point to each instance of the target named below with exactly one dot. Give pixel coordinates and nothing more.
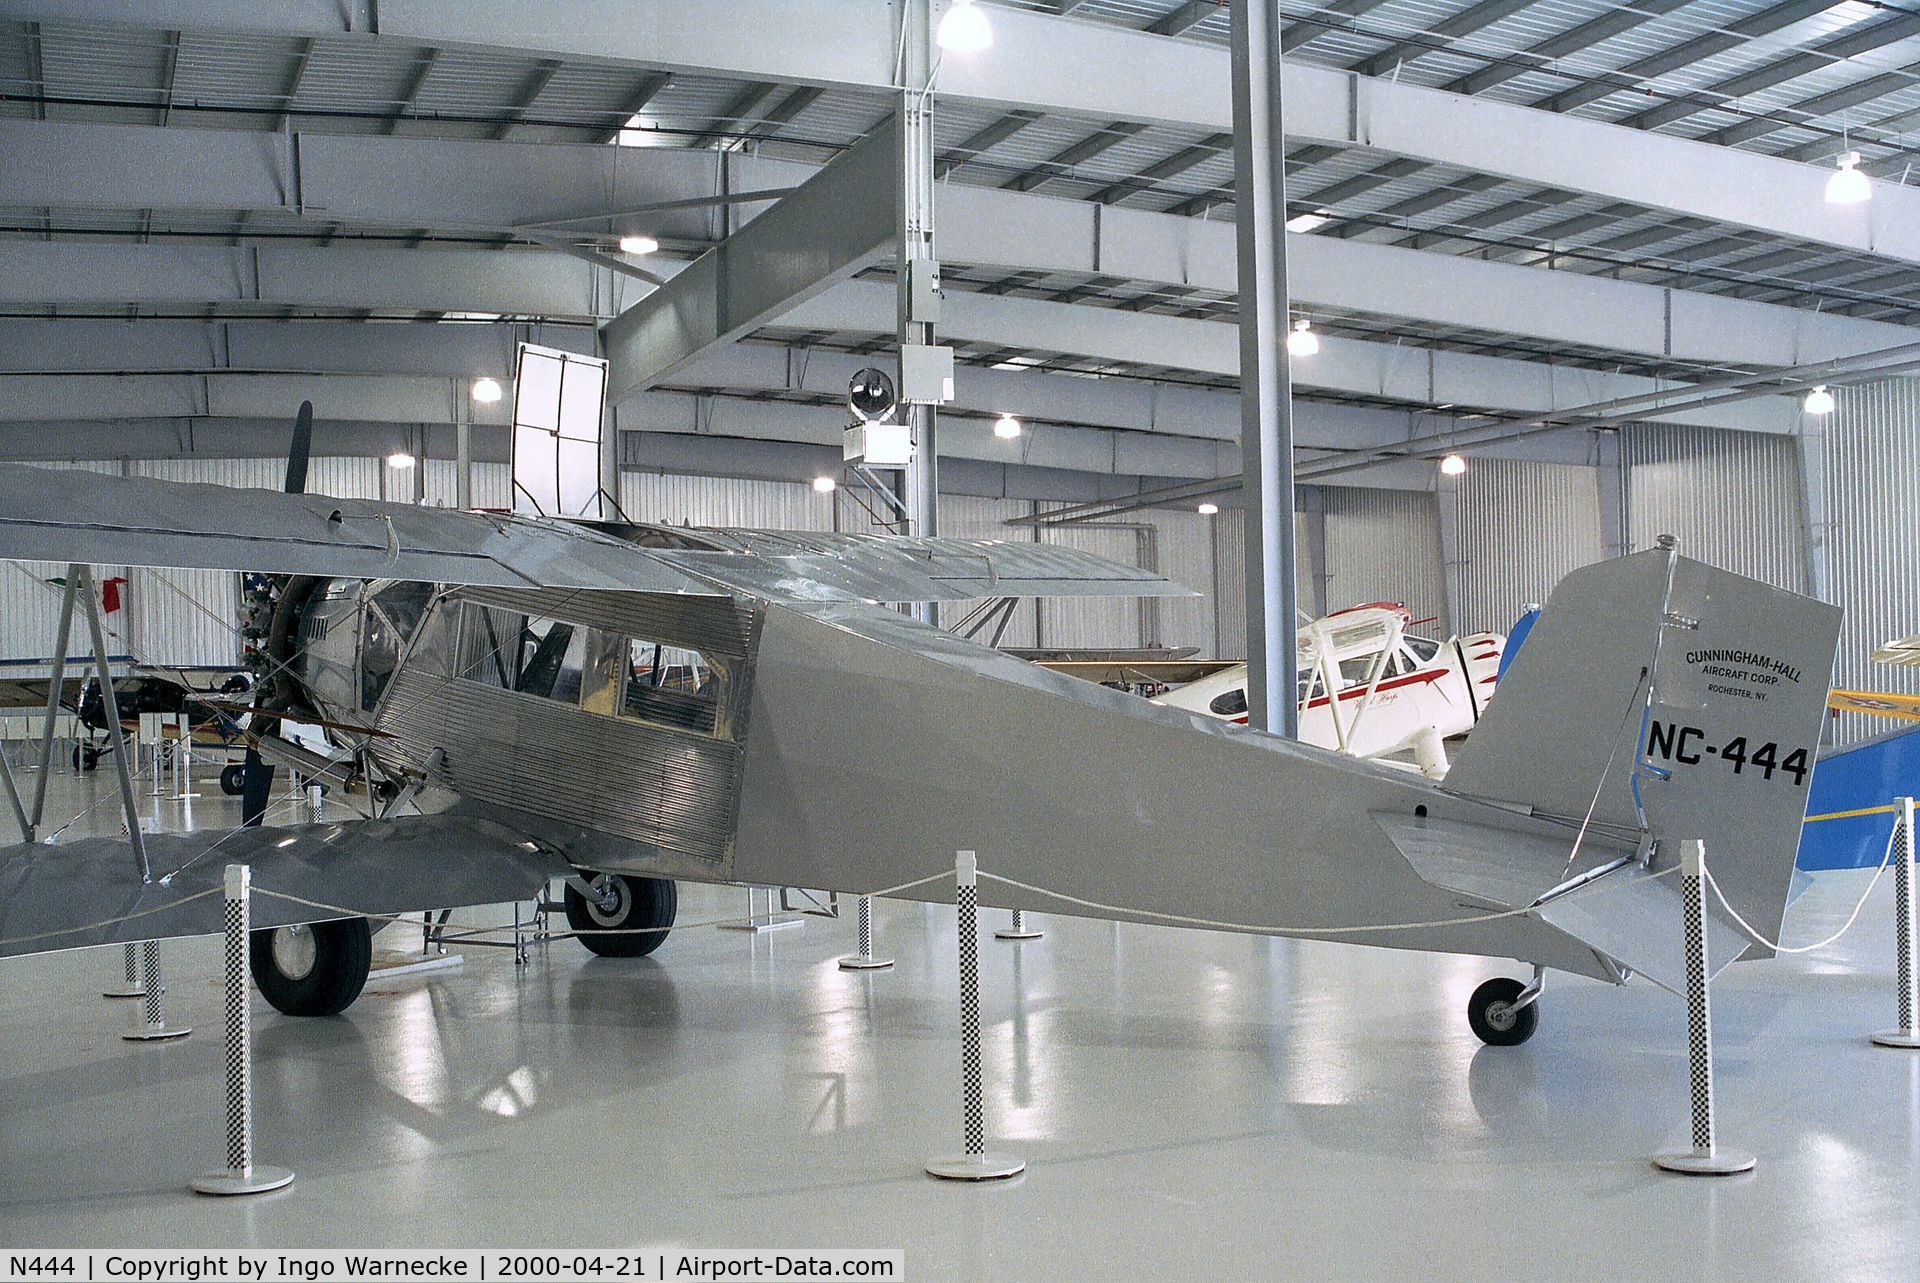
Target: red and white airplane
(1368, 688)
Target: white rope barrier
(1258, 928)
(1775, 945)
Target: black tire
(637, 903)
(1494, 1021)
(331, 977)
(76, 759)
(233, 779)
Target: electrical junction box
(878, 445)
(926, 374)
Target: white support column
(1905, 925)
(1706, 1157)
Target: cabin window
(1424, 649)
(672, 686)
(1231, 704)
(1357, 671)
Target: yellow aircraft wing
(1905, 708)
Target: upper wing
(1905, 708)
(89, 892)
(71, 516)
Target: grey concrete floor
(1191, 1104)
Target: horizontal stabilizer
(89, 892)
(1627, 914)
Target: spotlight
(825, 485)
(963, 29)
(638, 245)
(1302, 341)
(1819, 401)
(1208, 509)
(1452, 466)
(1849, 186)
(399, 461)
(486, 391)
(1006, 427)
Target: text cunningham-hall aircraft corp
(627, 705)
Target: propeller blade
(302, 446)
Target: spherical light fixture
(1208, 509)
(487, 391)
(1452, 466)
(1006, 427)
(1819, 401)
(825, 485)
(1301, 340)
(638, 245)
(963, 29)
(1848, 186)
(399, 461)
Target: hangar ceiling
(271, 168)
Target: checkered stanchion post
(1017, 929)
(130, 986)
(975, 1164)
(240, 1175)
(153, 1021)
(1905, 925)
(864, 960)
(1706, 1158)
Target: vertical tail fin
(1659, 694)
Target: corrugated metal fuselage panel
(651, 798)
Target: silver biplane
(628, 706)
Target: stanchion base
(232, 1180)
(1008, 933)
(857, 963)
(975, 1167)
(156, 1033)
(126, 993)
(763, 924)
(1897, 1038)
(1691, 1162)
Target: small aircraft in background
(168, 691)
(1369, 688)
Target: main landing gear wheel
(233, 779)
(1493, 1016)
(645, 906)
(316, 969)
(85, 758)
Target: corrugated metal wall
(718, 501)
(1873, 458)
(32, 608)
(1384, 545)
(1521, 526)
(1229, 589)
(1733, 498)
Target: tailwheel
(617, 902)
(313, 969)
(1503, 1013)
(233, 779)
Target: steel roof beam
(852, 44)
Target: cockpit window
(1423, 648)
(390, 620)
(1231, 704)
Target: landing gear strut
(1504, 1012)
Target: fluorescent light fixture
(399, 461)
(1308, 222)
(1452, 466)
(963, 29)
(486, 391)
(1301, 340)
(1849, 186)
(1819, 401)
(1006, 427)
(825, 485)
(638, 245)
(1208, 509)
